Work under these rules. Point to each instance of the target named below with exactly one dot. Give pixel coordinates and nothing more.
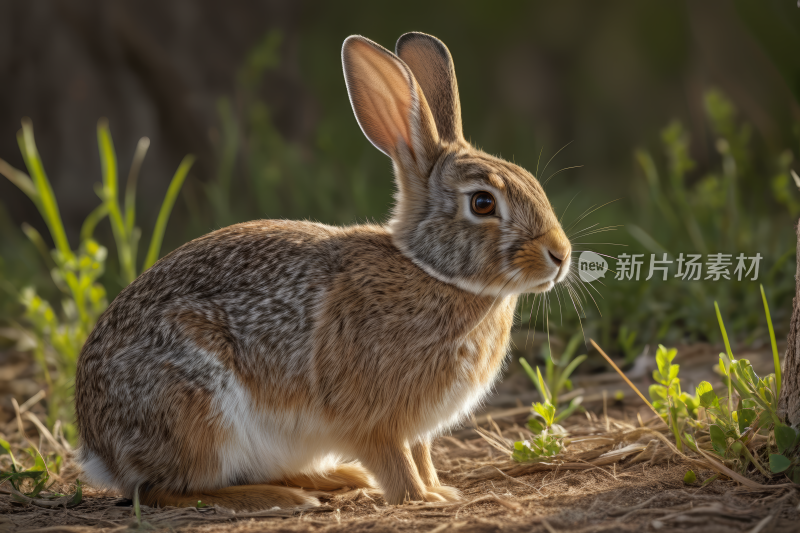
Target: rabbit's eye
(483, 203)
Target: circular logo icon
(591, 266)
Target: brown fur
(268, 356)
(350, 475)
(238, 498)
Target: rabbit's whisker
(582, 233)
(551, 159)
(594, 252)
(564, 212)
(539, 159)
(558, 172)
(578, 300)
(572, 297)
(570, 234)
(560, 312)
(598, 230)
(536, 320)
(588, 212)
(603, 243)
(583, 284)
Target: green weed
(742, 426)
(59, 337)
(37, 475)
(557, 376)
(548, 438)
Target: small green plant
(557, 376)
(742, 426)
(548, 437)
(674, 406)
(38, 474)
(76, 273)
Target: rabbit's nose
(554, 256)
(557, 246)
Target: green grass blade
(21, 180)
(166, 208)
(730, 360)
(565, 374)
(130, 184)
(36, 238)
(724, 333)
(47, 204)
(528, 370)
(94, 218)
(776, 359)
(137, 509)
(569, 351)
(108, 159)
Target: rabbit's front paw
(442, 494)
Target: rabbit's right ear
(389, 104)
(432, 65)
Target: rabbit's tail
(351, 475)
(238, 498)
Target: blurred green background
(684, 113)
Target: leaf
(738, 448)
(690, 440)
(528, 370)
(794, 475)
(535, 426)
(573, 405)
(706, 394)
(690, 478)
(658, 392)
(709, 480)
(47, 205)
(564, 379)
(5, 447)
(166, 207)
(775, 357)
(718, 439)
(37, 489)
(778, 463)
(785, 437)
(543, 386)
(673, 372)
(691, 402)
(746, 418)
(546, 410)
(572, 345)
(663, 360)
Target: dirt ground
(620, 475)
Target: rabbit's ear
(388, 103)
(430, 61)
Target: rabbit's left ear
(389, 105)
(430, 61)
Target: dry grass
(619, 474)
(616, 477)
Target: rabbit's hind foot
(449, 494)
(237, 498)
(350, 475)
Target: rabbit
(266, 361)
